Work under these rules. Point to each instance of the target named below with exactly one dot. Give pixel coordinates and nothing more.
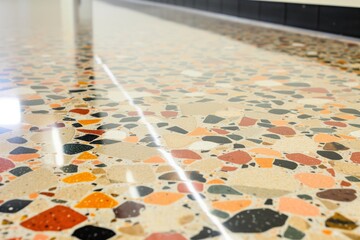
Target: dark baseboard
(230, 7)
(272, 12)
(215, 5)
(201, 4)
(179, 2)
(249, 9)
(189, 3)
(338, 20)
(304, 16)
(344, 21)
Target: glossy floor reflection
(123, 120)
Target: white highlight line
(165, 154)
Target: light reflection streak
(56, 140)
(134, 192)
(129, 177)
(164, 153)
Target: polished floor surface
(125, 120)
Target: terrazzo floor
(148, 122)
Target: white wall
(341, 3)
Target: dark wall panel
(214, 5)
(249, 9)
(340, 20)
(201, 4)
(189, 3)
(179, 2)
(272, 12)
(300, 15)
(230, 7)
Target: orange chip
(155, 159)
(163, 198)
(231, 205)
(86, 156)
(97, 200)
(80, 177)
(89, 121)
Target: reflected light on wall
(10, 111)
